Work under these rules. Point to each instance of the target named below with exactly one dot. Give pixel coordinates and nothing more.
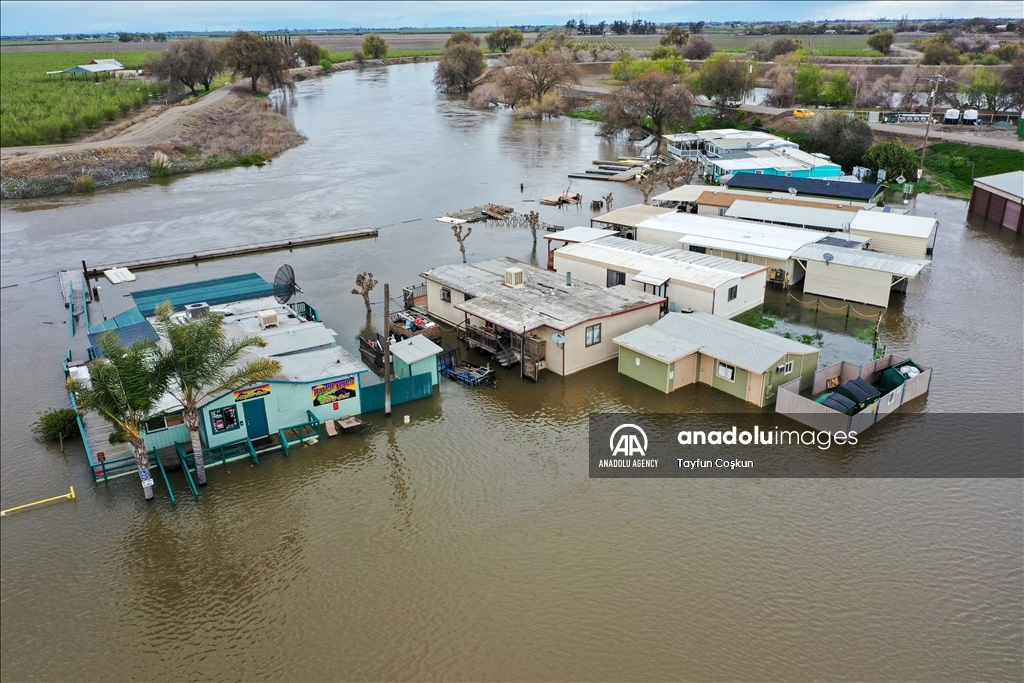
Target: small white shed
(894, 233)
(855, 274)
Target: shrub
(896, 158)
(56, 424)
(358, 56)
(326, 64)
(375, 47)
(160, 167)
(698, 47)
(84, 183)
(662, 52)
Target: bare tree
(532, 220)
(365, 283)
(309, 52)
(460, 65)
(680, 174)
(192, 63)
(647, 184)
(651, 103)
(249, 55)
(457, 230)
(531, 75)
(608, 201)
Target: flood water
(470, 543)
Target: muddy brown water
(470, 544)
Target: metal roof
(414, 349)
(220, 291)
(544, 300)
(920, 227)
(130, 317)
(731, 342)
(579, 234)
(655, 344)
(745, 237)
(799, 216)
(320, 364)
(729, 265)
(126, 335)
(630, 216)
(1010, 183)
(284, 341)
(861, 258)
(825, 188)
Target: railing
(313, 425)
(306, 312)
(183, 459)
(163, 473)
(411, 293)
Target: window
(446, 294)
(758, 172)
(733, 292)
(726, 372)
(721, 211)
(789, 174)
(594, 334)
(787, 368)
(699, 250)
(224, 419)
(157, 424)
(616, 277)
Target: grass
(588, 114)
(954, 166)
(756, 318)
(39, 109)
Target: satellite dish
(792, 191)
(829, 258)
(559, 339)
(284, 284)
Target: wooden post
(927, 129)
(387, 349)
(85, 273)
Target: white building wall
(444, 309)
(848, 283)
(915, 247)
(749, 294)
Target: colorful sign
(338, 390)
(252, 392)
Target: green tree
(986, 90)
(310, 52)
(810, 83)
(722, 78)
(894, 157)
(504, 39)
(459, 66)
(125, 386)
(675, 37)
(375, 47)
(881, 41)
(461, 37)
(201, 364)
(837, 91)
(253, 57)
(843, 139)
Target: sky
(47, 18)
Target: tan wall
(755, 389)
(579, 356)
(685, 370)
(848, 283)
(915, 247)
(443, 309)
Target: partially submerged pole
(68, 496)
(387, 349)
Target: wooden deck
(228, 252)
(76, 279)
(481, 213)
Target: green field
(38, 109)
(955, 166)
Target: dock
(617, 177)
(229, 252)
(72, 286)
(478, 213)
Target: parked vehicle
(803, 113)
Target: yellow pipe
(68, 496)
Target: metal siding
(651, 372)
(848, 283)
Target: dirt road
(156, 129)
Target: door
(256, 418)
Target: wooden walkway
(76, 279)
(228, 252)
(481, 213)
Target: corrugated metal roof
(656, 279)
(655, 344)
(415, 349)
(824, 188)
(1010, 183)
(630, 216)
(284, 341)
(127, 335)
(220, 291)
(636, 262)
(731, 342)
(745, 237)
(920, 227)
(130, 317)
(320, 364)
(579, 234)
(860, 258)
(800, 216)
(544, 300)
(740, 268)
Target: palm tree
(125, 386)
(201, 364)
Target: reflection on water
(470, 544)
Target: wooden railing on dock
(228, 252)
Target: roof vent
(686, 309)
(514, 277)
(197, 311)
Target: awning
(650, 278)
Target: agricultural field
(40, 109)
(826, 46)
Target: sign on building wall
(252, 392)
(338, 390)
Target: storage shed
(625, 220)
(684, 348)
(856, 274)
(999, 198)
(416, 355)
(712, 284)
(896, 234)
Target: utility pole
(387, 349)
(927, 129)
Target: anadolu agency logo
(628, 446)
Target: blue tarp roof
(839, 189)
(220, 291)
(127, 335)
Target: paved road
(159, 128)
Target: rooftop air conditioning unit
(267, 319)
(197, 311)
(514, 277)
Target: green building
(684, 348)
